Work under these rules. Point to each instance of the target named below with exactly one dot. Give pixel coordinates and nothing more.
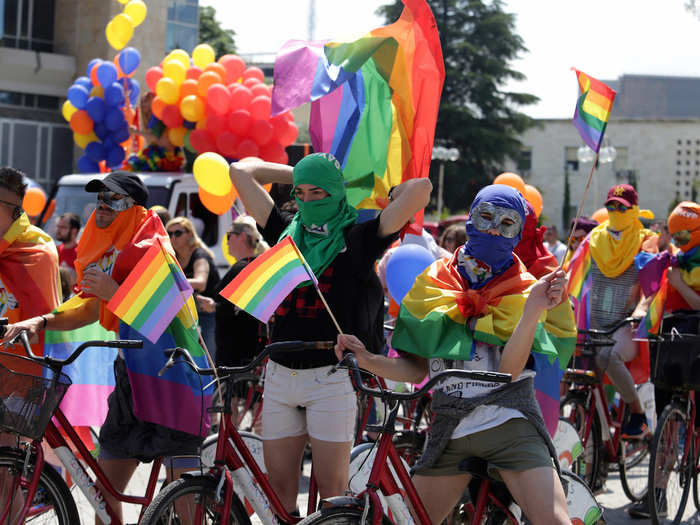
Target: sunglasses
(616, 206)
(682, 237)
(115, 201)
(16, 209)
(176, 233)
(578, 238)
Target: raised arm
(249, 178)
(406, 200)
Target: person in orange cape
(116, 236)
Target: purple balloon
(96, 109)
(106, 74)
(85, 165)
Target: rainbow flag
(592, 109)
(580, 283)
(268, 279)
(152, 294)
(374, 100)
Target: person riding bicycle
(116, 236)
(300, 398)
(603, 280)
(481, 310)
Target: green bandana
(317, 229)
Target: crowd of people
(494, 282)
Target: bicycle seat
(583, 377)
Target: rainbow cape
(30, 282)
(592, 109)
(434, 315)
(374, 100)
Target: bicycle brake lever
(170, 362)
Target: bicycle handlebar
(615, 327)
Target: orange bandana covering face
(686, 216)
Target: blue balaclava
(484, 255)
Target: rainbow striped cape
(374, 100)
(434, 319)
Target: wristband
(45, 321)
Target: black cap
(121, 182)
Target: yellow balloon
(211, 173)
(83, 139)
(123, 27)
(224, 248)
(203, 55)
(97, 91)
(173, 69)
(181, 56)
(67, 110)
(112, 38)
(168, 90)
(192, 108)
(136, 10)
(177, 135)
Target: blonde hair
(248, 225)
(189, 227)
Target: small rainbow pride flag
(152, 294)
(592, 109)
(268, 279)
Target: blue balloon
(85, 165)
(83, 81)
(78, 96)
(121, 134)
(96, 109)
(106, 74)
(95, 151)
(405, 264)
(94, 62)
(113, 119)
(134, 90)
(115, 157)
(101, 131)
(109, 143)
(114, 95)
(129, 60)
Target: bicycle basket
(677, 362)
(27, 402)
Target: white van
(176, 191)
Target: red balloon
(247, 148)
(289, 136)
(254, 72)
(274, 152)
(219, 98)
(241, 98)
(171, 116)
(260, 89)
(250, 82)
(289, 116)
(280, 126)
(227, 143)
(234, 66)
(260, 108)
(193, 72)
(261, 132)
(202, 140)
(216, 124)
(218, 69)
(239, 122)
(153, 75)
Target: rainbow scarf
(374, 100)
(434, 316)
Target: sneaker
(636, 427)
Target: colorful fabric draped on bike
(433, 319)
(29, 282)
(187, 403)
(374, 100)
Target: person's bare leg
(331, 460)
(439, 494)
(119, 472)
(539, 494)
(283, 461)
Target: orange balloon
(188, 87)
(218, 69)
(511, 179)
(81, 122)
(600, 216)
(206, 80)
(157, 106)
(34, 201)
(215, 203)
(49, 211)
(533, 196)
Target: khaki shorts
(514, 445)
(299, 402)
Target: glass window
(43, 19)
(181, 36)
(186, 13)
(525, 160)
(5, 143)
(61, 153)
(10, 98)
(47, 102)
(171, 9)
(10, 16)
(23, 157)
(24, 18)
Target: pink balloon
(247, 148)
(260, 89)
(227, 143)
(219, 98)
(260, 108)
(153, 75)
(241, 98)
(216, 124)
(254, 72)
(239, 122)
(261, 132)
(234, 66)
(251, 82)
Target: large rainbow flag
(433, 322)
(264, 283)
(592, 109)
(374, 100)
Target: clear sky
(604, 38)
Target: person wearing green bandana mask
(301, 400)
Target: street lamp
(607, 154)
(443, 154)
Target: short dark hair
(73, 219)
(13, 180)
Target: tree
(210, 32)
(477, 115)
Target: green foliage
(210, 32)
(477, 115)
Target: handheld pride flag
(592, 109)
(268, 279)
(152, 294)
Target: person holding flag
(119, 233)
(341, 254)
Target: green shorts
(514, 445)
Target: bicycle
(29, 408)
(216, 495)
(599, 426)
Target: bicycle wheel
(591, 465)
(247, 396)
(633, 463)
(339, 516)
(191, 500)
(52, 503)
(669, 475)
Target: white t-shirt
(558, 250)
